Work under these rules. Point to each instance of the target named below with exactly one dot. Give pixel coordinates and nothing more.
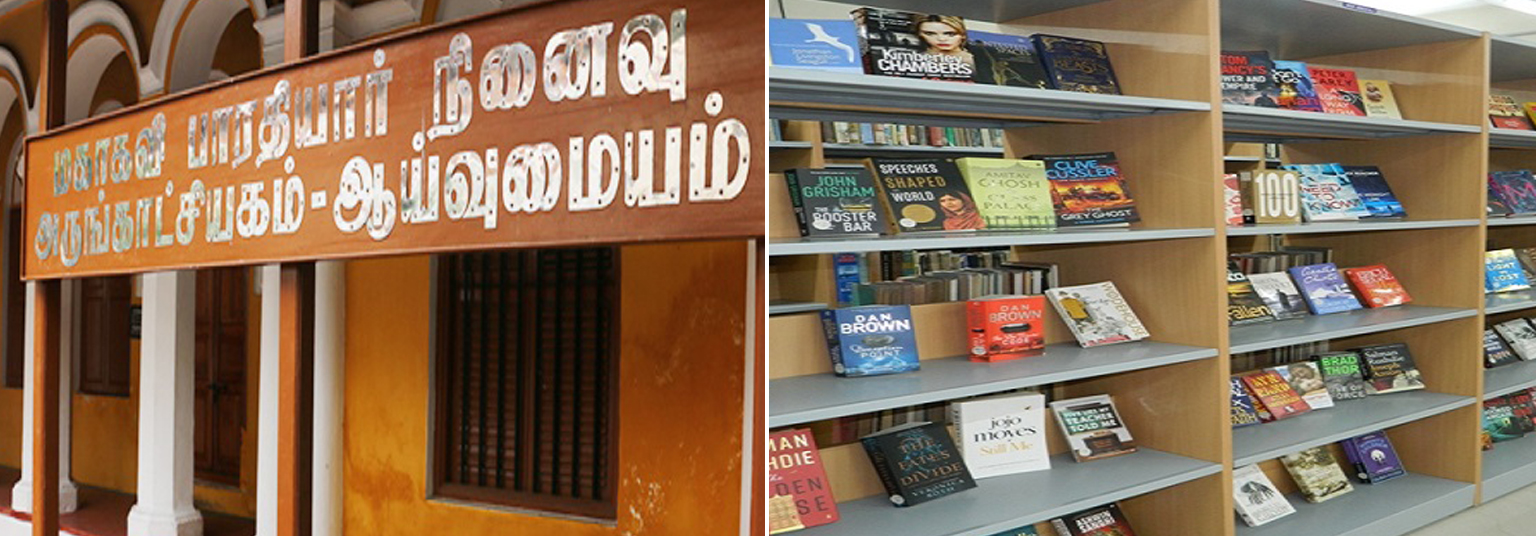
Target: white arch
(200, 35)
(165, 34)
(12, 67)
(86, 66)
(107, 13)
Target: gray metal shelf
(1507, 221)
(1253, 123)
(1503, 302)
(1006, 502)
(790, 145)
(1346, 226)
(804, 399)
(801, 246)
(1503, 138)
(1288, 28)
(1320, 328)
(1391, 508)
(987, 10)
(1511, 465)
(843, 149)
(1346, 419)
(1511, 59)
(789, 307)
(1509, 378)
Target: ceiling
(1512, 18)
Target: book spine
(976, 317)
(1061, 527)
(883, 470)
(834, 348)
(795, 200)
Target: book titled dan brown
(795, 470)
(917, 463)
(1006, 327)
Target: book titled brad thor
(1088, 189)
(834, 202)
(1077, 64)
(917, 463)
(1006, 327)
(1256, 499)
(1324, 289)
(1327, 193)
(1517, 190)
(1338, 90)
(1502, 273)
(1243, 412)
(1105, 520)
(1496, 353)
(795, 470)
(1276, 196)
(1504, 112)
(1373, 190)
(1248, 78)
(1276, 395)
(1317, 474)
(1009, 193)
(1097, 314)
(1002, 435)
(1389, 368)
(925, 194)
(831, 45)
(1093, 428)
(1294, 83)
(1343, 374)
(870, 340)
(913, 45)
(1376, 285)
(1244, 306)
(1307, 381)
(1376, 96)
(1374, 458)
(1280, 294)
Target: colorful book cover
(1343, 375)
(1389, 368)
(1248, 78)
(1505, 112)
(1327, 194)
(1105, 520)
(1524, 411)
(1497, 353)
(1520, 335)
(1006, 327)
(831, 45)
(1496, 206)
(1244, 306)
(870, 340)
(1097, 314)
(1338, 90)
(848, 273)
(1499, 420)
(1232, 199)
(1256, 499)
(1517, 190)
(1307, 381)
(1280, 294)
(1093, 428)
(1376, 285)
(1324, 289)
(1276, 196)
(1007, 60)
(1002, 435)
(795, 470)
(1376, 457)
(913, 45)
(834, 202)
(1376, 96)
(1010, 194)
(1502, 272)
(926, 194)
(1243, 413)
(1372, 188)
(1317, 474)
(1275, 394)
(1294, 82)
(1077, 64)
(1088, 189)
(917, 463)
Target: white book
(1097, 314)
(1002, 435)
(1307, 381)
(1280, 294)
(1256, 499)
(1520, 335)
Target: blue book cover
(1501, 272)
(849, 272)
(1327, 193)
(1243, 412)
(1377, 459)
(1374, 191)
(1295, 86)
(871, 340)
(832, 45)
(1077, 64)
(1517, 189)
(1324, 289)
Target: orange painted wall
(10, 427)
(682, 365)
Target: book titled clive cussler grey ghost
(870, 340)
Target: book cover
(1373, 190)
(1517, 190)
(1010, 194)
(1376, 285)
(1280, 294)
(1026, 530)
(1256, 499)
(848, 272)
(1294, 83)
(831, 45)
(1521, 401)
(1527, 258)
(1343, 374)
(1243, 413)
(1520, 335)
(795, 470)
(1496, 206)
(1505, 112)
(870, 340)
(1307, 381)
(782, 515)
(834, 202)
(1496, 352)
(1389, 368)
(1272, 392)
(1245, 189)
(1077, 64)
(1502, 273)
(1530, 110)
(917, 463)
(1338, 90)
(1006, 327)
(913, 45)
(1232, 199)
(1002, 435)
(1248, 78)
(1276, 196)
(1323, 288)
(1376, 96)
(1007, 60)
(1093, 428)
(1244, 306)
(926, 194)
(1097, 314)
(1376, 458)
(1088, 189)
(1499, 420)
(1105, 520)
(1317, 474)
(1327, 194)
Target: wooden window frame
(111, 387)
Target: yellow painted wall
(682, 365)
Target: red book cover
(1504, 112)
(1338, 90)
(1376, 284)
(794, 468)
(1276, 394)
(1006, 327)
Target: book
(1505, 112)
(1515, 189)
(848, 272)
(1294, 83)
(1105, 520)
(1327, 194)
(1248, 78)
(1373, 190)
(1317, 474)
(1525, 410)
(1374, 458)
(1026, 530)
(913, 45)
(1097, 314)
(1006, 327)
(1244, 306)
(1276, 196)
(1245, 190)
(870, 340)
(1002, 435)
(1307, 381)
(1323, 288)
(1520, 335)
(1243, 412)
(1502, 273)
(1527, 258)
(831, 45)
(1256, 499)
(1343, 375)
(795, 470)
(1077, 64)
(782, 515)
(1376, 96)
(1009, 193)
(1232, 199)
(1497, 353)
(1496, 206)
(1007, 60)
(917, 462)
(925, 194)
(1376, 286)
(1088, 189)
(834, 202)
(1389, 368)
(1093, 428)
(1280, 294)
(1337, 90)
(1271, 391)
(1499, 420)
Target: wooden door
(221, 360)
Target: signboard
(566, 123)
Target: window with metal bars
(527, 374)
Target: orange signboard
(566, 123)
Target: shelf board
(987, 10)
(1503, 302)
(818, 95)
(1511, 465)
(1391, 508)
(1346, 226)
(1323, 327)
(1509, 378)
(801, 246)
(789, 307)
(908, 150)
(1504, 138)
(1254, 123)
(790, 145)
(1507, 221)
(1346, 419)
(1005, 502)
(804, 399)
(1511, 59)
(1250, 160)
(1287, 28)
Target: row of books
(933, 46)
(904, 135)
(1309, 192)
(1251, 78)
(1283, 355)
(1507, 417)
(1511, 193)
(1370, 457)
(917, 277)
(1509, 269)
(1504, 111)
(1285, 391)
(1317, 289)
(1285, 258)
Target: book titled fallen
(1505, 112)
(870, 340)
(1011, 194)
(1343, 375)
(1338, 90)
(1294, 83)
(1323, 288)
(1276, 196)
(1278, 398)
(917, 463)
(1280, 294)
(1497, 353)
(1248, 78)
(1097, 314)
(835, 202)
(1243, 412)
(1105, 520)
(893, 45)
(1502, 273)
(1093, 428)
(1255, 497)
(925, 194)
(1006, 327)
(1389, 368)
(1317, 474)
(831, 45)
(1077, 64)
(795, 470)
(1515, 189)
(1307, 381)
(1376, 96)
(1327, 194)
(1374, 458)
(1002, 435)
(1374, 191)
(1520, 335)
(1376, 285)
(1088, 189)
(1244, 305)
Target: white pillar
(266, 412)
(166, 379)
(330, 391)
(21, 493)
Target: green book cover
(1011, 194)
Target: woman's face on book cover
(940, 37)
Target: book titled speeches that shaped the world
(925, 194)
(917, 463)
(1002, 435)
(1093, 428)
(1010, 193)
(795, 470)
(1257, 499)
(870, 340)
(835, 202)
(1097, 314)
(1324, 289)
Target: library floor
(1509, 515)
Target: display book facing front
(1097, 314)
(799, 496)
